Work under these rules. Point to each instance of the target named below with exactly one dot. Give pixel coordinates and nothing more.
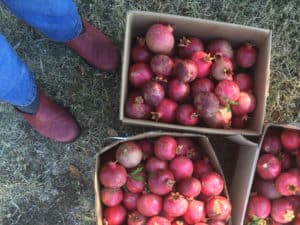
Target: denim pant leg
(16, 80)
(57, 19)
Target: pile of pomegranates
(162, 181)
(188, 82)
(276, 190)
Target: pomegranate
(136, 108)
(239, 122)
(184, 146)
(158, 220)
(178, 91)
(186, 70)
(160, 39)
(203, 62)
(135, 218)
(130, 200)
(161, 182)
(190, 187)
(129, 154)
(220, 46)
(212, 184)
(206, 104)
(282, 211)
(113, 175)
(140, 52)
(266, 188)
(153, 93)
(246, 55)
(115, 215)
(165, 148)
(228, 92)
(195, 212)
(222, 68)
(146, 147)
(186, 115)
(201, 167)
(202, 85)
(268, 166)
(139, 74)
(187, 46)
(246, 103)
(165, 111)
(244, 81)
(259, 206)
(162, 65)
(165, 215)
(285, 160)
(154, 164)
(290, 139)
(287, 184)
(175, 204)
(111, 196)
(218, 208)
(136, 180)
(181, 167)
(271, 143)
(220, 119)
(149, 204)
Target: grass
(36, 185)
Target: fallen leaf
(74, 171)
(276, 115)
(82, 70)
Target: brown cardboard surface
(139, 21)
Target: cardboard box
(233, 157)
(139, 21)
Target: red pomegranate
(259, 206)
(115, 215)
(161, 182)
(149, 204)
(175, 204)
(218, 208)
(268, 166)
(212, 184)
(181, 167)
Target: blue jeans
(57, 19)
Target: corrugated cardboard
(238, 172)
(139, 21)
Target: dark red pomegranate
(202, 85)
(181, 167)
(204, 62)
(112, 175)
(206, 104)
(146, 147)
(160, 39)
(220, 119)
(158, 220)
(153, 93)
(130, 200)
(285, 159)
(139, 74)
(218, 208)
(186, 115)
(228, 92)
(244, 81)
(268, 166)
(186, 70)
(115, 215)
(246, 103)
(222, 68)
(246, 55)
(287, 184)
(149, 204)
(290, 139)
(195, 212)
(189, 187)
(165, 111)
(135, 106)
(259, 206)
(220, 46)
(111, 196)
(136, 181)
(129, 154)
(187, 46)
(135, 218)
(184, 146)
(140, 52)
(282, 211)
(161, 182)
(153, 164)
(211, 184)
(271, 143)
(239, 122)
(162, 65)
(175, 204)
(266, 188)
(165, 147)
(201, 167)
(178, 90)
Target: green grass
(36, 186)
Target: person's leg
(17, 87)
(59, 20)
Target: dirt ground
(43, 182)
